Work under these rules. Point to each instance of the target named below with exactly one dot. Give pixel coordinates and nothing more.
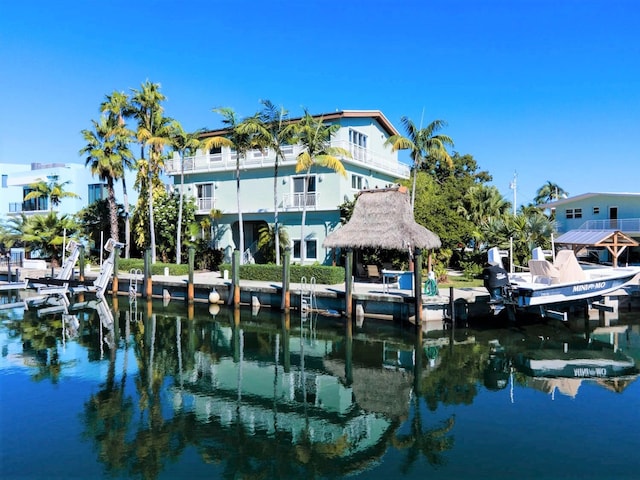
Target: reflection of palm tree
(430, 443)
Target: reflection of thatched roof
(378, 390)
(382, 218)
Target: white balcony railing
(626, 225)
(225, 161)
(297, 200)
(205, 204)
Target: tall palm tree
(549, 192)
(52, 189)
(117, 104)
(152, 133)
(106, 148)
(185, 144)
(241, 139)
(314, 136)
(425, 145)
(271, 128)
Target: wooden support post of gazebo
(348, 284)
(417, 287)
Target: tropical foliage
(52, 190)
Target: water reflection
(258, 394)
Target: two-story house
(600, 212)
(209, 177)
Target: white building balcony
(625, 225)
(204, 205)
(226, 161)
(296, 201)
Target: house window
(4, 181)
(215, 154)
(204, 197)
(299, 197)
(97, 191)
(358, 182)
(34, 204)
(573, 213)
(312, 249)
(596, 210)
(357, 144)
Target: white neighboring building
(16, 178)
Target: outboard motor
(495, 277)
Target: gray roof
(592, 237)
(382, 218)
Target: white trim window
(357, 144)
(204, 197)
(298, 194)
(312, 249)
(359, 182)
(573, 213)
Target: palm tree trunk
(152, 227)
(179, 229)
(276, 226)
(303, 244)
(113, 210)
(127, 221)
(240, 221)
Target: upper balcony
(226, 161)
(625, 225)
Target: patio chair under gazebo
(383, 218)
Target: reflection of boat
(585, 360)
(564, 280)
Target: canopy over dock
(613, 240)
(382, 218)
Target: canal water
(114, 389)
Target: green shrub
(128, 264)
(271, 272)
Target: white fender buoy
(214, 309)
(255, 305)
(214, 296)
(359, 315)
(166, 295)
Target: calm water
(167, 392)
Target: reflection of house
(303, 400)
(210, 180)
(600, 213)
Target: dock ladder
(135, 274)
(308, 301)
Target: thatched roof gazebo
(383, 218)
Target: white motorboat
(564, 280)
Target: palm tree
(314, 136)
(117, 104)
(152, 132)
(183, 143)
(425, 146)
(271, 126)
(106, 151)
(481, 202)
(549, 192)
(241, 139)
(46, 233)
(52, 190)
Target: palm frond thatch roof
(382, 218)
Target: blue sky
(549, 90)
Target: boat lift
(99, 285)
